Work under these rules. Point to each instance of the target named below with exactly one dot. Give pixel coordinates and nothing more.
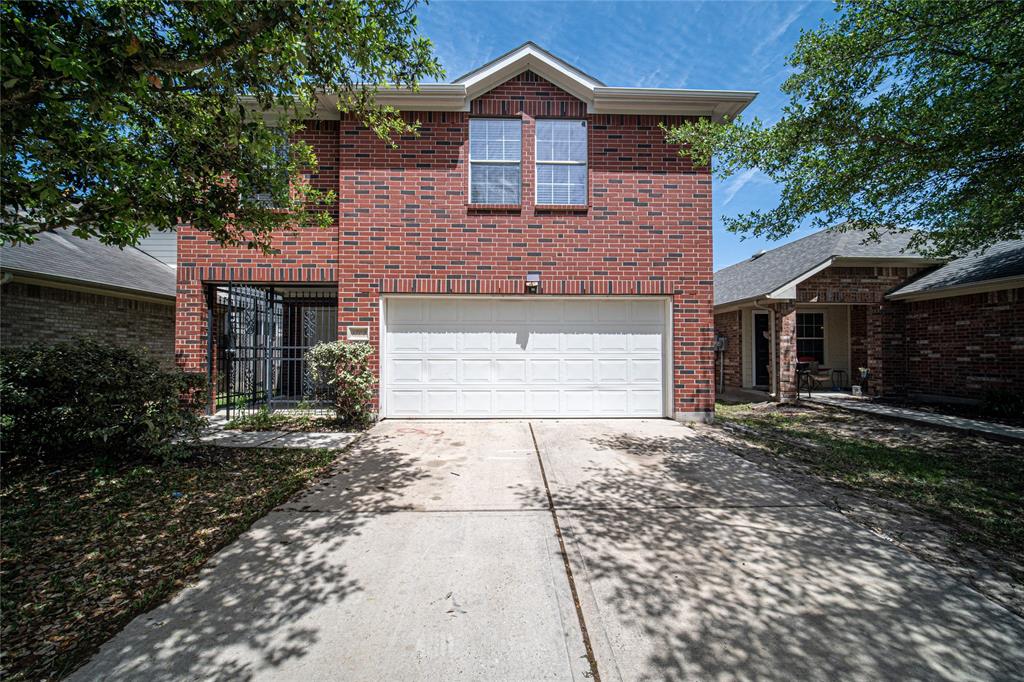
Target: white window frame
(493, 162)
(538, 163)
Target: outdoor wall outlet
(358, 334)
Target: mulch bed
(83, 552)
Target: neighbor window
(810, 336)
(261, 193)
(495, 148)
(561, 162)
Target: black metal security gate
(257, 341)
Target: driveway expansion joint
(591, 657)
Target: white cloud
(735, 184)
(779, 30)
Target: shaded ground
(953, 499)
(433, 553)
(83, 552)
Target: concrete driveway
(434, 554)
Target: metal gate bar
(258, 337)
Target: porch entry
(257, 339)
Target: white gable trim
(530, 57)
(788, 290)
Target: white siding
(161, 245)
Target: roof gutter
(86, 286)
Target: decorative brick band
(258, 273)
(518, 286)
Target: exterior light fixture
(532, 282)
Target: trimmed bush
(342, 374)
(83, 399)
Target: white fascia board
(788, 290)
(529, 57)
(717, 104)
(427, 97)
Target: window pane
(494, 183)
(810, 348)
(495, 139)
(561, 140)
(561, 184)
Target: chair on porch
(814, 376)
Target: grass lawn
(976, 485)
(83, 552)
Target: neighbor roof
(61, 256)
(758, 277)
(1001, 262)
(600, 98)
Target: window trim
(537, 164)
(823, 337)
(491, 162)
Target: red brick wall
(852, 285)
(966, 346)
(31, 314)
(730, 326)
(405, 227)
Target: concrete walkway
(976, 427)
(434, 553)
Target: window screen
(495, 147)
(262, 194)
(561, 162)
(810, 336)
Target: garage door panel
(455, 356)
(613, 371)
(508, 403)
(644, 402)
(544, 371)
(510, 371)
(475, 341)
(476, 403)
(476, 371)
(443, 371)
(545, 403)
(645, 371)
(578, 371)
(406, 371)
(441, 342)
(575, 342)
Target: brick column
(886, 349)
(784, 366)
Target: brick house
(838, 303)
(61, 286)
(538, 250)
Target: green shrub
(342, 374)
(1003, 403)
(84, 399)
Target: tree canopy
(124, 116)
(902, 114)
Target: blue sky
(715, 45)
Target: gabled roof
(774, 273)
(999, 266)
(599, 98)
(62, 257)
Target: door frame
(667, 366)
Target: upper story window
(261, 193)
(561, 162)
(495, 149)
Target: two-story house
(536, 250)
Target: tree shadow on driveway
(254, 606)
(693, 563)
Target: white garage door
(524, 357)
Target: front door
(762, 356)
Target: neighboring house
(920, 327)
(61, 286)
(537, 250)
